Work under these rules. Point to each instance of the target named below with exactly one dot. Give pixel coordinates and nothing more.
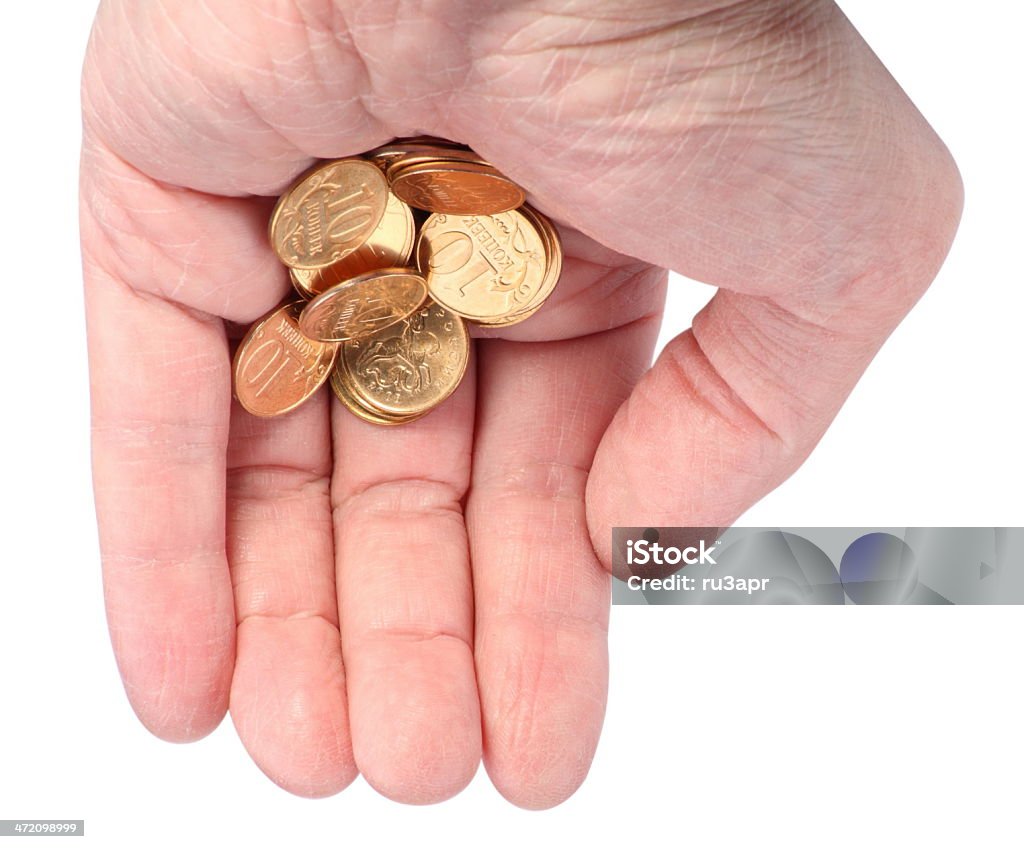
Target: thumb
(760, 147)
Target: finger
(159, 262)
(729, 410)
(759, 146)
(160, 385)
(541, 593)
(405, 599)
(288, 692)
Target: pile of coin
(392, 253)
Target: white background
(725, 727)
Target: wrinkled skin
(758, 146)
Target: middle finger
(405, 598)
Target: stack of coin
(384, 304)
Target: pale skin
(404, 602)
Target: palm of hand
(460, 557)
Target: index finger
(168, 128)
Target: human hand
(399, 601)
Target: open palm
(401, 601)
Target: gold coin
(276, 368)
(483, 267)
(363, 305)
(343, 393)
(553, 251)
(389, 246)
(509, 320)
(328, 213)
(456, 188)
(412, 366)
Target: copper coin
(343, 393)
(436, 156)
(388, 246)
(276, 368)
(435, 140)
(328, 213)
(483, 267)
(363, 305)
(387, 153)
(398, 146)
(412, 366)
(456, 188)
